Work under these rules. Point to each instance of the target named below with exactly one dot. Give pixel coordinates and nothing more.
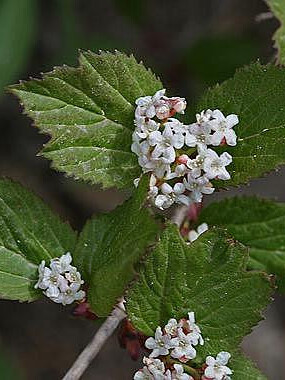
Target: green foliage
(278, 9)
(109, 247)
(256, 95)
(89, 114)
(244, 369)
(29, 233)
(207, 277)
(259, 224)
(17, 37)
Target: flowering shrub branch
(129, 252)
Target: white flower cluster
(177, 155)
(154, 369)
(61, 281)
(177, 340)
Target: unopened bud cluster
(178, 155)
(60, 281)
(174, 346)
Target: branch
(93, 348)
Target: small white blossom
(204, 117)
(49, 278)
(146, 104)
(171, 327)
(197, 164)
(165, 143)
(198, 187)
(145, 127)
(143, 374)
(223, 128)
(216, 368)
(184, 349)
(214, 166)
(179, 374)
(179, 104)
(193, 235)
(183, 129)
(156, 367)
(61, 264)
(200, 135)
(193, 328)
(160, 344)
(71, 294)
(171, 195)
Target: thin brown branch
(92, 349)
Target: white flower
(140, 148)
(162, 111)
(198, 186)
(165, 143)
(204, 116)
(223, 128)
(160, 344)
(179, 104)
(217, 369)
(145, 127)
(183, 350)
(193, 328)
(159, 166)
(214, 166)
(153, 189)
(137, 181)
(146, 104)
(74, 276)
(49, 278)
(171, 327)
(180, 171)
(69, 295)
(197, 164)
(200, 135)
(170, 195)
(178, 373)
(193, 235)
(61, 264)
(156, 368)
(143, 374)
(183, 129)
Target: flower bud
(162, 112)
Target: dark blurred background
(191, 45)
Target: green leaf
(256, 95)
(278, 9)
(17, 23)
(207, 277)
(243, 368)
(29, 233)
(109, 247)
(89, 113)
(17, 276)
(259, 224)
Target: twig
(90, 351)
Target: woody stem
(93, 348)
